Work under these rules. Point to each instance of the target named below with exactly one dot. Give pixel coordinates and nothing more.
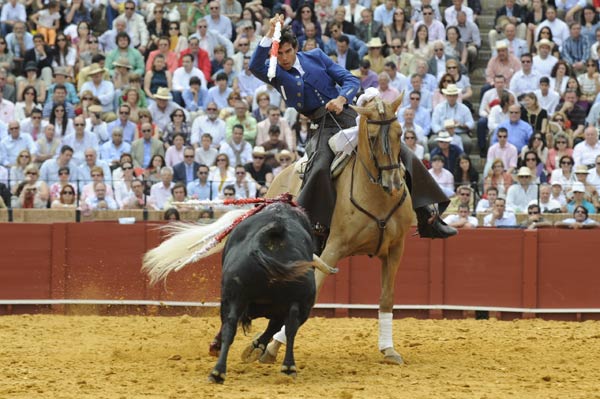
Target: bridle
(386, 148)
(385, 144)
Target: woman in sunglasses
(57, 188)
(564, 173)
(67, 198)
(561, 148)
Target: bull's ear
(398, 102)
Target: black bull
(267, 272)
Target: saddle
(342, 144)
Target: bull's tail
(272, 239)
(183, 244)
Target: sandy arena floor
(166, 357)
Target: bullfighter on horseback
(307, 82)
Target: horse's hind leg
(229, 320)
(291, 328)
(390, 264)
(257, 347)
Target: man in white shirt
(136, 27)
(245, 187)
(462, 219)
(547, 98)
(247, 82)
(102, 89)
(209, 123)
(182, 75)
(544, 62)
(80, 141)
(14, 143)
(451, 13)
(593, 176)
(526, 80)
(397, 80)
(486, 205)
(520, 195)
(547, 204)
(586, 152)
(161, 191)
(12, 12)
(559, 29)
(499, 217)
(163, 107)
(217, 22)
(516, 46)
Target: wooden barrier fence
(516, 271)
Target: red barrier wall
(549, 268)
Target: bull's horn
(324, 267)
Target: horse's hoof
(267, 357)
(289, 370)
(253, 352)
(214, 349)
(216, 377)
(390, 356)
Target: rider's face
(286, 56)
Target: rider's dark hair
(287, 36)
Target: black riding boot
(320, 235)
(435, 228)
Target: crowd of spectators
(125, 104)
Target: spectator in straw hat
(102, 89)
(258, 169)
(448, 151)
(579, 199)
(520, 195)
(544, 61)
(503, 64)
(284, 158)
(60, 78)
(120, 78)
(374, 55)
(458, 112)
(163, 107)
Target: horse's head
(379, 139)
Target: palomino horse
(373, 210)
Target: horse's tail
(277, 256)
(183, 245)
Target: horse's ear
(360, 110)
(398, 102)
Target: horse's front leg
(389, 268)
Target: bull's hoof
(253, 352)
(216, 377)
(289, 370)
(392, 357)
(268, 357)
(214, 349)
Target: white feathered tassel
(274, 49)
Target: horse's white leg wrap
(385, 331)
(280, 336)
